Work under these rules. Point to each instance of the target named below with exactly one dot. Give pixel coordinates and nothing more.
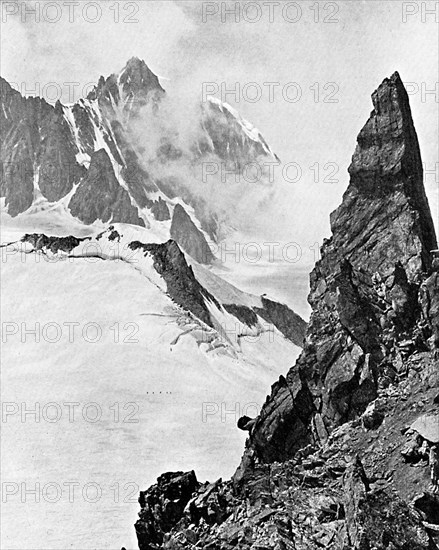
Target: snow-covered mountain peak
(124, 154)
(137, 72)
(248, 128)
(129, 89)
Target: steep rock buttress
(367, 289)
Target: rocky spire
(365, 290)
(384, 216)
(137, 78)
(135, 85)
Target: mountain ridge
(187, 283)
(62, 142)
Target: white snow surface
(168, 389)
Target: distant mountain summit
(137, 79)
(114, 156)
(134, 86)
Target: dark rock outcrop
(244, 313)
(189, 237)
(429, 300)
(101, 197)
(182, 286)
(291, 325)
(36, 148)
(284, 319)
(135, 86)
(160, 210)
(44, 243)
(139, 83)
(163, 506)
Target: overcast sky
(334, 53)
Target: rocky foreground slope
(344, 454)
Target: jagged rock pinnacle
(137, 78)
(386, 190)
(365, 290)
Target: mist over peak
(162, 148)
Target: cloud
(36, 51)
(368, 43)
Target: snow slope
(183, 396)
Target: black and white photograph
(219, 273)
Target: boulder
(427, 426)
(162, 507)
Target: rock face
(365, 290)
(291, 325)
(163, 506)
(386, 192)
(182, 286)
(189, 237)
(136, 86)
(224, 136)
(327, 463)
(160, 210)
(284, 319)
(37, 150)
(101, 197)
(53, 244)
(429, 299)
